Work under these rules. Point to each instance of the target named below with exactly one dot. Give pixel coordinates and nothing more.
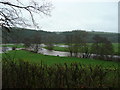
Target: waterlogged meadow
(67, 73)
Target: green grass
(51, 60)
(17, 46)
(115, 45)
(56, 48)
(0, 57)
(60, 43)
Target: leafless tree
(102, 47)
(76, 42)
(69, 42)
(36, 41)
(49, 41)
(11, 13)
(27, 42)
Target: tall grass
(23, 74)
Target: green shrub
(23, 74)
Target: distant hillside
(19, 34)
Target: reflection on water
(61, 45)
(5, 49)
(53, 53)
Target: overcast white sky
(71, 15)
(89, 15)
(67, 15)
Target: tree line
(102, 48)
(59, 37)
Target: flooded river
(52, 52)
(49, 52)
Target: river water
(52, 52)
(49, 52)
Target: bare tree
(11, 13)
(36, 41)
(69, 42)
(85, 50)
(102, 47)
(76, 42)
(27, 42)
(49, 41)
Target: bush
(13, 48)
(49, 46)
(27, 75)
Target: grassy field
(51, 60)
(116, 46)
(17, 46)
(57, 48)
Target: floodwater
(42, 51)
(60, 45)
(5, 49)
(0, 49)
(49, 52)
(52, 52)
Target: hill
(19, 35)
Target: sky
(69, 15)
(89, 15)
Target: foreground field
(50, 60)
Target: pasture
(51, 60)
(16, 45)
